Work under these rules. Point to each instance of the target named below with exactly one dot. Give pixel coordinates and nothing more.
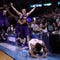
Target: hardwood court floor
(4, 56)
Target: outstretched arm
(19, 13)
(31, 11)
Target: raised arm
(31, 11)
(19, 13)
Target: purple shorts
(22, 30)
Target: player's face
(24, 11)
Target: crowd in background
(47, 23)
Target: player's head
(23, 11)
(38, 47)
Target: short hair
(38, 47)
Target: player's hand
(35, 5)
(11, 4)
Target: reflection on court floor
(23, 54)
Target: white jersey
(33, 42)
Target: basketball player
(22, 22)
(37, 48)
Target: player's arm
(31, 11)
(45, 50)
(19, 13)
(32, 52)
(11, 13)
(21, 22)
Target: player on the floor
(37, 48)
(22, 22)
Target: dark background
(19, 4)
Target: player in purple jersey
(22, 22)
